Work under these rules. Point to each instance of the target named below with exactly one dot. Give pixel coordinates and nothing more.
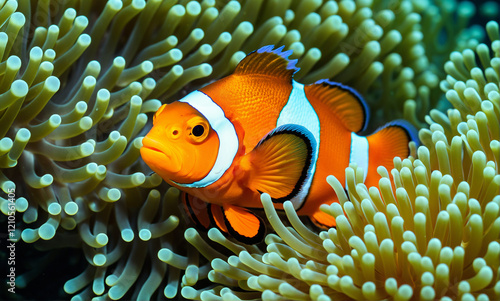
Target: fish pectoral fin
(323, 220)
(243, 224)
(281, 162)
(197, 210)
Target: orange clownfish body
(258, 131)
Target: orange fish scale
(244, 97)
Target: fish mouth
(149, 154)
(154, 149)
(151, 145)
(160, 158)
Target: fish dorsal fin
(279, 164)
(266, 61)
(344, 101)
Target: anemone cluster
(430, 230)
(79, 81)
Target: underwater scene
(249, 150)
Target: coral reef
(80, 79)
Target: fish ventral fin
(197, 210)
(243, 224)
(391, 141)
(345, 102)
(279, 164)
(266, 61)
(217, 217)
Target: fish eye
(198, 130)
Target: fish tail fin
(388, 142)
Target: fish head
(181, 147)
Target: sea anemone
(80, 79)
(430, 230)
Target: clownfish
(259, 131)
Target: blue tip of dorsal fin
(284, 54)
(270, 61)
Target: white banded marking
(359, 152)
(228, 139)
(298, 110)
